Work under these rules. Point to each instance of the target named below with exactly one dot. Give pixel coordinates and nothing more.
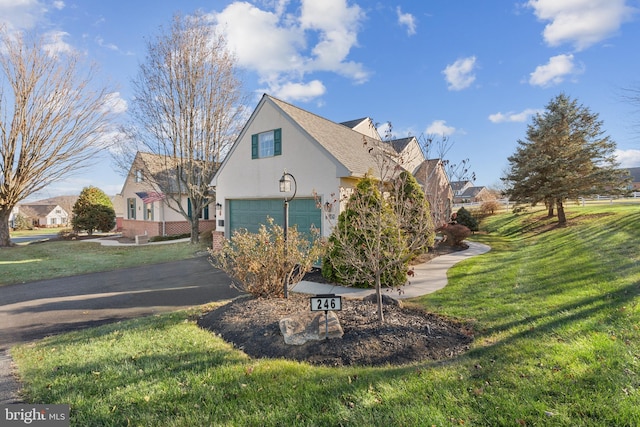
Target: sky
(473, 71)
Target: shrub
(464, 217)
(367, 238)
(454, 234)
(256, 262)
(21, 222)
(93, 211)
(489, 207)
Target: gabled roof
(401, 143)
(36, 210)
(426, 170)
(353, 123)
(635, 174)
(350, 148)
(459, 185)
(471, 192)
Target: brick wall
(217, 241)
(132, 228)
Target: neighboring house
(432, 175)
(146, 210)
(460, 187)
(327, 160)
(474, 194)
(635, 179)
(43, 215)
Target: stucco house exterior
(146, 210)
(326, 159)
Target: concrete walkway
(428, 277)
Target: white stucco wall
(242, 177)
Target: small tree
(367, 235)
(257, 263)
(465, 218)
(93, 211)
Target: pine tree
(566, 155)
(93, 211)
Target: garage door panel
(249, 214)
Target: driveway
(31, 311)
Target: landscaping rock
(302, 327)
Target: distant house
(326, 158)
(474, 195)
(635, 179)
(146, 210)
(43, 215)
(460, 187)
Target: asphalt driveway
(31, 311)
(34, 310)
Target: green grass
(556, 314)
(36, 261)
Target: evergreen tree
(566, 155)
(465, 218)
(93, 211)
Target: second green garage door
(249, 214)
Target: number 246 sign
(326, 302)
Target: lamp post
(285, 187)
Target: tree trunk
(550, 206)
(379, 298)
(5, 237)
(562, 218)
(195, 228)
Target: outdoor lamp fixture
(285, 187)
(219, 208)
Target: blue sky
(472, 70)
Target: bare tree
(52, 119)
(187, 110)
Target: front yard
(555, 313)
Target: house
(43, 215)
(460, 187)
(474, 195)
(145, 209)
(326, 159)
(635, 179)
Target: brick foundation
(217, 241)
(132, 228)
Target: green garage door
(249, 214)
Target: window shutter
(206, 211)
(277, 142)
(189, 208)
(254, 146)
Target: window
(266, 144)
(138, 175)
(131, 208)
(148, 211)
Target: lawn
(556, 315)
(36, 261)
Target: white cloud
(407, 20)
(300, 91)
(460, 74)
(100, 41)
(628, 158)
(54, 43)
(21, 14)
(554, 72)
(58, 4)
(115, 103)
(284, 47)
(580, 22)
(439, 127)
(513, 117)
